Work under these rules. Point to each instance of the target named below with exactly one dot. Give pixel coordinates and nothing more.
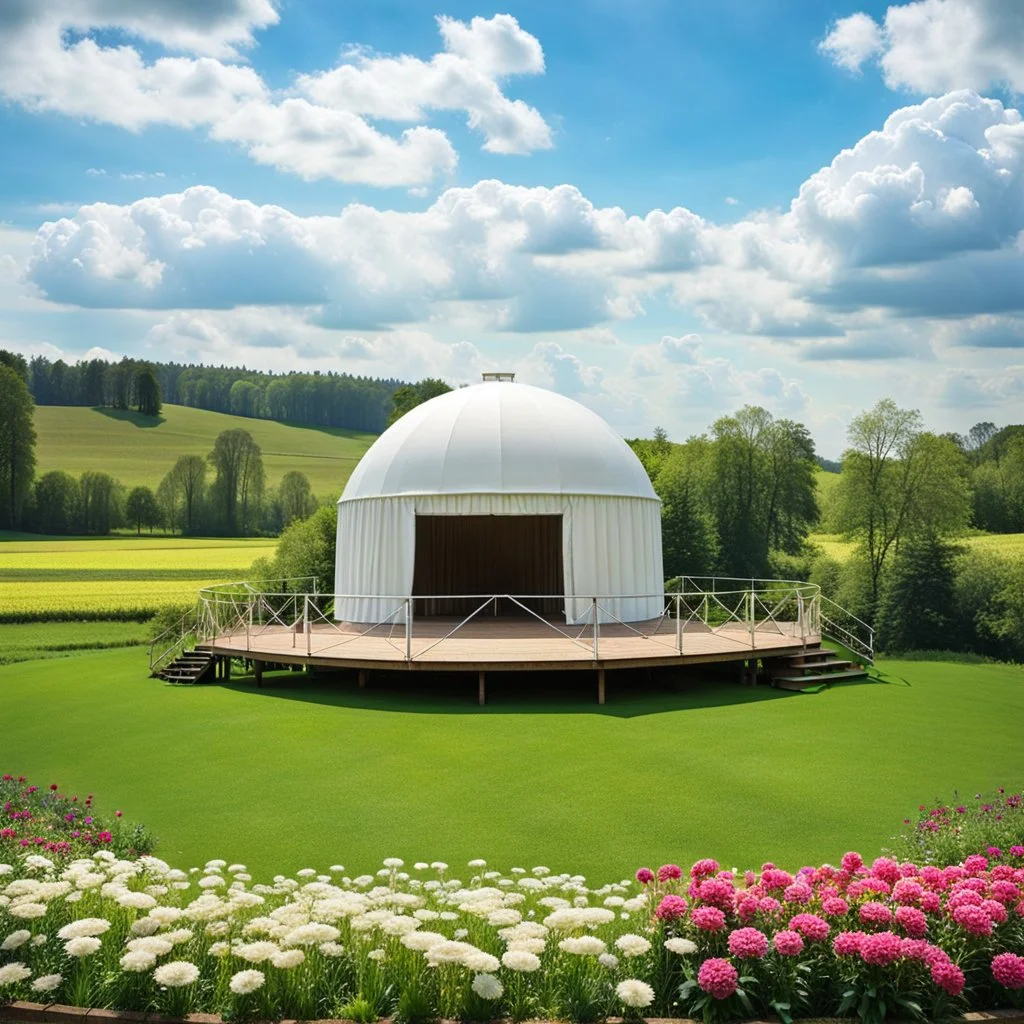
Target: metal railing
(845, 628)
(738, 611)
(174, 640)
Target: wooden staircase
(190, 667)
(812, 670)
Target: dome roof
(499, 438)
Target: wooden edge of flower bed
(54, 1013)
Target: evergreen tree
(17, 446)
(147, 393)
(917, 607)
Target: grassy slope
(27, 641)
(134, 451)
(1009, 545)
(303, 774)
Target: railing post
(679, 627)
(408, 629)
(248, 621)
(593, 607)
(800, 617)
(305, 622)
(751, 611)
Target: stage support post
(481, 694)
(257, 668)
(362, 679)
(600, 686)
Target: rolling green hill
(136, 451)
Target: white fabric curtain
(611, 550)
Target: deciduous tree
(17, 446)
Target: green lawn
(135, 451)
(314, 774)
(29, 640)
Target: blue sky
(646, 206)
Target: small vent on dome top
(502, 375)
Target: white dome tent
(499, 488)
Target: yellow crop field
(118, 577)
(1008, 545)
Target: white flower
(27, 911)
(540, 871)
(136, 900)
(245, 982)
(219, 949)
(145, 926)
(448, 952)
(178, 936)
(504, 917)
(337, 869)
(38, 940)
(584, 945)
(521, 960)
(394, 862)
(306, 872)
(36, 863)
(211, 882)
(257, 952)
(288, 958)
(482, 962)
(155, 945)
(683, 947)
(420, 941)
(85, 945)
(439, 865)
(376, 954)
(16, 939)
(632, 945)
(421, 865)
(137, 960)
(478, 863)
(608, 960)
(310, 935)
(176, 974)
(216, 865)
(332, 949)
(11, 974)
(486, 986)
(89, 880)
(530, 945)
(46, 983)
(84, 926)
(634, 993)
(73, 897)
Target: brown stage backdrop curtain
(516, 555)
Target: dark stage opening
(516, 555)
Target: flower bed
(417, 944)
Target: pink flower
(974, 920)
(708, 919)
(931, 902)
(995, 910)
(788, 943)
(1017, 851)
(912, 921)
(703, 868)
(907, 891)
(847, 943)
(717, 977)
(716, 892)
(810, 926)
(914, 949)
(669, 872)
(881, 948)
(671, 907)
(886, 869)
(775, 878)
(645, 876)
(852, 862)
(1005, 891)
(769, 906)
(975, 864)
(875, 913)
(748, 943)
(798, 892)
(948, 976)
(835, 906)
(1008, 970)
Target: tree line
(319, 399)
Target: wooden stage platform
(508, 644)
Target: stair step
(811, 665)
(827, 677)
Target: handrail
(157, 661)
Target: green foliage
(688, 532)
(100, 503)
(916, 610)
(989, 602)
(998, 484)
(898, 482)
(951, 830)
(295, 497)
(141, 509)
(17, 446)
(237, 493)
(306, 548)
(147, 392)
(56, 502)
(408, 396)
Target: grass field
(117, 574)
(134, 451)
(31, 640)
(1008, 545)
(305, 773)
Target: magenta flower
(708, 919)
(703, 868)
(671, 907)
(748, 943)
(810, 926)
(645, 876)
(717, 977)
(847, 943)
(669, 872)
(974, 920)
(881, 948)
(948, 976)
(875, 913)
(1008, 970)
(912, 921)
(788, 943)
(835, 906)
(852, 862)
